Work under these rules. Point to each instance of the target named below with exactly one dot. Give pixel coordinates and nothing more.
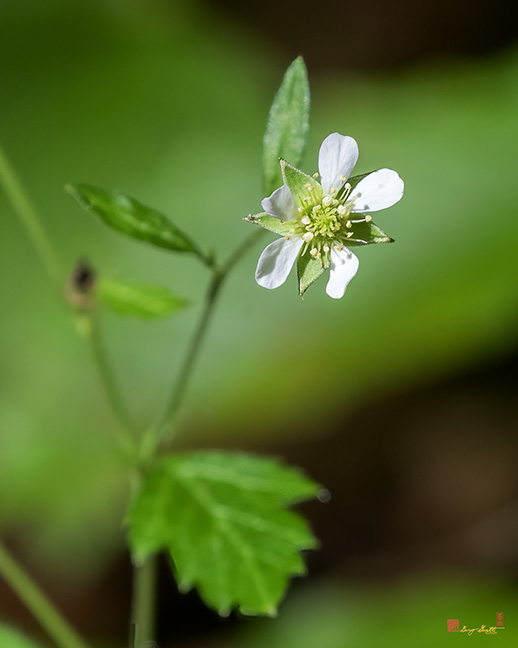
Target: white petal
(281, 204)
(379, 190)
(276, 261)
(337, 157)
(344, 265)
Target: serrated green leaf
(224, 520)
(309, 270)
(131, 217)
(11, 638)
(288, 124)
(366, 234)
(140, 300)
(298, 183)
(270, 223)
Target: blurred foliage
(169, 104)
(10, 638)
(138, 300)
(412, 612)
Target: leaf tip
(299, 62)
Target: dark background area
(375, 35)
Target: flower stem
(152, 440)
(143, 617)
(28, 218)
(186, 368)
(55, 625)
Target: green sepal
(366, 234)
(288, 124)
(132, 218)
(309, 270)
(271, 224)
(297, 182)
(138, 300)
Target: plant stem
(144, 603)
(28, 218)
(37, 603)
(126, 435)
(219, 274)
(32, 225)
(192, 351)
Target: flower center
(323, 220)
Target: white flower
(317, 220)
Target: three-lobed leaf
(288, 124)
(139, 300)
(224, 520)
(131, 217)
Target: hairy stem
(43, 610)
(28, 218)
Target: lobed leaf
(131, 217)
(288, 124)
(140, 300)
(224, 520)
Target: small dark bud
(80, 287)
(83, 277)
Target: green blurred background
(400, 398)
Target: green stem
(28, 218)
(219, 274)
(126, 436)
(193, 350)
(143, 619)
(37, 603)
